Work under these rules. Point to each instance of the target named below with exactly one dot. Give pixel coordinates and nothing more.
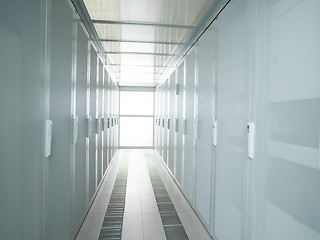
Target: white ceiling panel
(142, 37)
(137, 69)
(142, 33)
(140, 47)
(181, 12)
(132, 77)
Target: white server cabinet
(92, 139)
(172, 94)
(80, 194)
(160, 119)
(179, 115)
(189, 170)
(287, 162)
(165, 122)
(99, 116)
(59, 189)
(233, 104)
(204, 157)
(156, 119)
(105, 121)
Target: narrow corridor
(142, 219)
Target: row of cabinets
(228, 123)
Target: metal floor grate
(112, 224)
(172, 225)
(175, 232)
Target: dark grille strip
(112, 224)
(172, 225)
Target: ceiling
(143, 39)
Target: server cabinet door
(99, 114)
(80, 197)
(59, 186)
(172, 95)
(105, 121)
(287, 128)
(165, 122)
(204, 156)
(161, 120)
(233, 95)
(189, 170)
(179, 113)
(92, 139)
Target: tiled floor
(141, 217)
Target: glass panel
(136, 103)
(136, 131)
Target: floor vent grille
(172, 225)
(113, 221)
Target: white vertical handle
(195, 129)
(48, 137)
(75, 127)
(215, 131)
(251, 139)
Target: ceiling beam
(143, 24)
(147, 42)
(143, 73)
(143, 53)
(153, 66)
